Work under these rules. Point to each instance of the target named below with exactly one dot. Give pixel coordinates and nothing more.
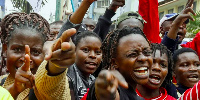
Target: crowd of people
(81, 59)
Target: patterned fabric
(80, 82)
(192, 93)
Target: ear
(162, 31)
(114, 64)
(4, 50)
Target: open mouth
(141, 72)
(91, 65)
(193, 77)
(154, 79)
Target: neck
(147, 92)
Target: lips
(155, 79)
(193, 77)
(91, 65)
(141, 72)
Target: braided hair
(110, 44)
(21, 21)
(163, 50)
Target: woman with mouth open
(88, 59)
(126, 53)
(160, 75)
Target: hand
(107, 83)
(115, 4)
(60, 53)
(24, 78)
(180, 19)
(189, 3)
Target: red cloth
(192, 93)
(148, 9)
(162, 96)
(85, 96)
(194, 44)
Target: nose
(22, 60)
(156, 67)
(192, 68)
(141, 58)
(92, 55)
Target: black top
(125, 94)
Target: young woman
(127, 51)
(23, 37)
(88, 59)
(160, 75)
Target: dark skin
(78, 15)
(132, 22)
(187, 68)
(158, 69)
(90, 24)
(134, 53)
(178, 23)
(54, 30)
(23, 77)
(88, 55)
(54, 51)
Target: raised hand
(189, 3)
(107, 83)
(181, 18)
(23, 78)
(60, 53)
(115, 4)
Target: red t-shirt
(162, 96)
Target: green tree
(193, 27)
(24, 5)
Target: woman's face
(158, 71)
(133, 58)
(88, 55)
(16, 50)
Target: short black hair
(163, 50)
(111, 42)
(84, 34)
(180, 51)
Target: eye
(98, 52)
(185, 65)
(133, 54)
(92, 27)
(147, 52)
(17, 49)
(163, 65)
(197, 64)
(86, 50)
(35, 52)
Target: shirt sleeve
(103, 24)
(51, 87)
(170, 43)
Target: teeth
(155, 80)
(145, 72)
(141, 68)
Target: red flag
(148, 9)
